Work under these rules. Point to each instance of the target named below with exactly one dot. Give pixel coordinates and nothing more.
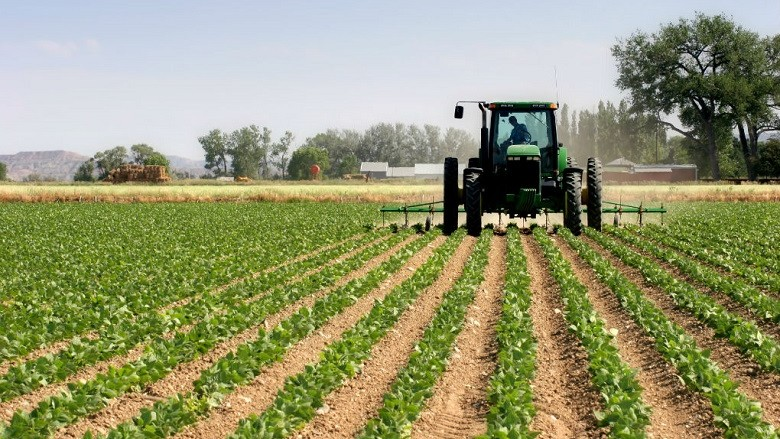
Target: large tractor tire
(473, 201)
(594, 193)
(450, 195)
(572, 206)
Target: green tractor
(522, 171)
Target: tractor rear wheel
(572, 206)
(450, 195)
(594, 193)
(473, 202)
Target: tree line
(250, 151)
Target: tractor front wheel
(594, 193)
(572, 207)
(473, 202)
(450, 195)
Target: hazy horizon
(86, 76)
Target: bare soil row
(564, 398)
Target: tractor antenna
(557, 100)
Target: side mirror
(459, 112)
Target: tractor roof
(522, 105)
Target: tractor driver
(519, 135)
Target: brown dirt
(768, 327)
(181, 379)
(93, 335)
(360, 398)
(459, 406)
(676, 411)
(563, 395)
(756, 384)
(29, 401)
(261, 392)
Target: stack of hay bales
(140, 173)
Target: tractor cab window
(519, 128)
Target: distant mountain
(62, 165)
(47, 165)
(196, 168)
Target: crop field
(307, 320)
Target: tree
(86, 171)
(3, 171)
(303, 159)
(460, 144)
(769, 163)
(245, 150)
(158, 159)
(755, 107)
(215, 144)
(109, 159)
(690, 68)
(139, 153)
(265, 150)
(280, 152)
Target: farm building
(426, 171)
(400, 172)
(625, 171)
(377, 170)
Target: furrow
(260, 393)
(181, 379)
(30, 400)
(61, 346)
(563, 395)
(766, 325)
(360, 398)
(676, 411)
(459, 405)
(755, 383)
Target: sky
(85, 76)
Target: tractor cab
(533, 129)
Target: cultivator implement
(618, 209)
(406, 209)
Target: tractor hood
(523, 151)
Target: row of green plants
(625, 414)
(415, 382)
(236, 369)
(735, 414)
(302, 394)
(760, 304)
(510, 394)
(71, 269)
(163, 355)
(743, 334)
(731, 254)
(115, 340)
(731, 227)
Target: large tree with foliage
(3, 171)
(139, 153)
(246, 151)
(109, 159)
(342, 146)
(302, 160)
(691, 68)
(85, 171)
(215, 144)
(755, 105)
(280, 152)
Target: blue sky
(89, 75)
